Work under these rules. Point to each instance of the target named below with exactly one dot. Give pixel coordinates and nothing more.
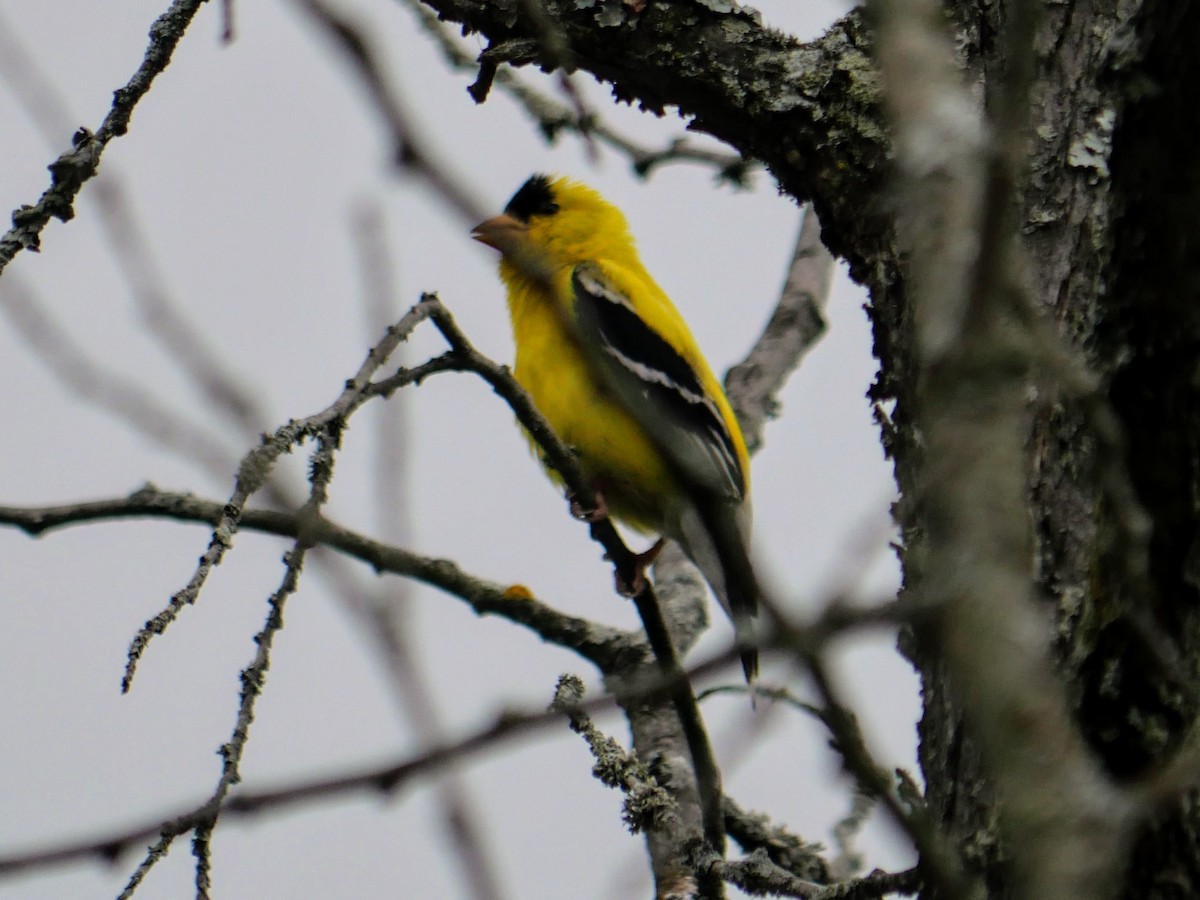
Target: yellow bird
(611, 365)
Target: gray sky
(246, 167)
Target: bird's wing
(656, 384)
(665, 394)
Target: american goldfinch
(611, 365)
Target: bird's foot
(633, 582)
(597, 511)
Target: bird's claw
(633, 582)
(594, 513)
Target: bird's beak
(503, 233)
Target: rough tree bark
(1106, 224)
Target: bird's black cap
(535, 198)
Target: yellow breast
(613, 450)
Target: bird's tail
(715, 536)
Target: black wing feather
(657, 386)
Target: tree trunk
(1107, 224)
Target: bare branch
(515, 603)
(795, 326)
(73, 168)
(754, 833)
(253, 677)
(256, 468)
(938, 859)
(755, 874)
(553, 117)
(647, 803)
(876, 885)
(203, 820)
(386, 779)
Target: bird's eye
(535, 198)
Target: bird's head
(555, 223)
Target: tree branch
(809, 111)
(77, 165)
(795, 326)
(553, 117)
(593, 642)
(755, 833)
(558, 455)
(387, 779)
(255, 470)
(648, 805)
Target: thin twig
(755, 832)
(647, 803)
(186, 346)
(74, 167)
(755, 874)
(875, 885)
(253, 677)
(383, 608)
(556, 54)
(386, 779)
(553, 117)
(255, 470)
(938, 859)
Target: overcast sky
(247, 168)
